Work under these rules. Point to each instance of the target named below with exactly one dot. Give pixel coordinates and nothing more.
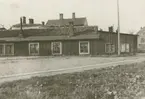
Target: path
(13, 69)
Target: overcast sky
(98, 12)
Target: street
(20, 68)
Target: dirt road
(21, 68)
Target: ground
(23, 65)
(121, 82)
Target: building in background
(2, 28)
(30, 25)
(62, 22)
(141, 39)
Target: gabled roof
(46, 32)
(9, 33)
(2, 29)
(62, 33)
(50, 38)
(26, 25)
(65, 22)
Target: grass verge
(123, 81)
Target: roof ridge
(67, 18)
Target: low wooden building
(64, 41)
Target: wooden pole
(118, 27)
(21, 23)
(21, 28)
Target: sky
(98, 12)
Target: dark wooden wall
(124, 38)
(21, 49)
(71, 47)
(97, 47)
(45, 48)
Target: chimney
(43, 23)
(73, 16)
(21, 24)
(111, 29)
(61, 16)
(96, 29)
(117, 31)
(31, 21)
(71, 28)
(24, 20)
(21, 29)
(101, 29)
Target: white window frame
(52, 43)
(12, 48)
(3, 49)
(123, 47)
(4, 45)
(80, 47)
(126, 47)
(106, 48)
(38, 48)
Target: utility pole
(21, 28)
(21, 24)
(118, 27)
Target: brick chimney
(73, 16)
(43, 23)
(96, 29)
(24, 20)
(71, 28)
(61, 16)
(110, 29)
(21, 28)
(31, 21)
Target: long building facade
(64, 41)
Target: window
(2, 52)
(109, 48)
(56, 48)
(125, 47)
(142, 46)
(122, 47)
(142, 40)
(84, 47)
(7, 49)
(34, 48)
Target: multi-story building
(141, 40)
